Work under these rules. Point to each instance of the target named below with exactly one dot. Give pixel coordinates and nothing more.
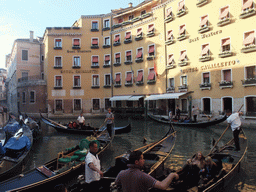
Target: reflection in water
(188, 142)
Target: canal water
(188, 142)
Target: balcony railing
(30, 78)
(248, 48)
(204, 29)
(170, 89)
(225, 54)
(201, 3)
(181, 12)
(224, 21)
(205, 58)
(168, 19)
(183, 88)
(226, 84)
(249, 82)
(205, 86)
(247, 13)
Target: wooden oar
(223, 133)
(207, 116)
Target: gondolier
(81, 120)
(234, 122)
(109, 119)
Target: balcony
(57, 87)
(105, 28)
(182, 37)
(127, 41)
(226, 84)
(128, 62)
(128, 84)
(183, 63)
(181, 12)
(224, 21)
(77, 87)
(116, 44)
(76, 66)
(136, 19)
(95, 47)
(225, 54)
(117, 85)
(149, 58)
(94, 30)
(205, 58)
(95, 66)
(248, 48)
(57, 67)
(138, 38)
(151, 34)
(107, 86)
(117, 64)
(57, 48)
(205, 86)
(169, 42)
(95, 86)
(204, 29)
(126, 23)
(201, 3)
(151, 82)
(146, 15)
(183, 88)
(106, 46)
(170, 89)
(170, 66)
(32, 80)
(138, 83)
(106, 65)
(168, 19)
(249, 82)
(247, 13)
(116, 26)
(76, 47)
(139, 60)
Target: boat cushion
(65, 160)
(81, 152)
(74, 157)
(82, 159)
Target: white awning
(165, 96)
(119, 98)
(135, 98)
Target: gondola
(87, 131)
(16, 149)
(164, 119)
(61, 170)
(33, 125)
(228, 165)
(154, 154)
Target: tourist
(134, 180)
(92, 168)
(81, 120)
(195, 113)
(209, 171)
(109, 119)
(234, 122)
(177, 115)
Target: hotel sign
(79, 51)
(203, 36)
(78, 71)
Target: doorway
(227, 104)
(207, 106)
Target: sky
(18, 17)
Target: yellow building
(168, 53)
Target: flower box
(205, 58)
(182, 37)
(106, 86)
(94, 30)
(171, 66)
(149, 58)
(225, 54)
(168, 19)
(117, 85)
(150, 82)
(76, 47)
(116, 44)
(136, 19)
(139, 83)
(128, 84)
(181, 13)
(201, 3)
(95, 66)
(106, 46)
(57, 48)
(126, 23)
(94, 47)
(248, 48)
(139, 60)
(57, 67)
(225, 84)
(117, 64)
(224, 22)
(247, 13)
(95, 86)
(205, 86)
(116, 26)
(204, 29)
(106, 65)
(169, 42)
(76, 87)
(105, 28)
(151, 34)
(138, 38)
(128, 62)
(183, 63)
(249, 82)
(126, 41)
(76, 66)
(146, 15)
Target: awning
(119, 98)
(135, 98)
(165, 96)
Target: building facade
(26, 89)
(167, 53)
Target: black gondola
(87, 131)
(207, 123)
(54, 172)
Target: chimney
(130, 4)
(31, 36)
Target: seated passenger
(209, 171)
(74, 125)
(70, 125)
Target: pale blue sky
(18, 17)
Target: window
(205, 50)
(131, 17)
(184, 105)
(76, 61)
(58, 81)
(95, 41)
(128, 79)
(95, 60)
(118, 79)
(117, 58)
(107, 41)
(107, 60)
(140, 76)
(128, 36)
(168, 12)
(182, 30)
(107, 104)
(225, 44)
(183, 56)
(139, 53)
(24, 55)
(76, 43)
(120, 20)
(204, 21)
(24, 76)
(128, 56)
(183, 80)
(107, 79)
(206, 77)
(181, 6)
(171, 83)
(151, 50)
(226, 75)
(106, 24)
(250, 72)
(32, 97)
(95, 25)
(77, 104)
(77, 81)
(170, 35)
(151, 28)
(224, 13)
(247, 5)
(42, 57)
(58, 62)
(170, 59)
(249, 38)
(117, 38)
(139, 32)
(96, 104)
(151, 74)
(58, 105)
(95, 80)
(58, 43)
(143, 12)
(23, 97)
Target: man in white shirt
(81, 120)
(92, 168)
(234, 122)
